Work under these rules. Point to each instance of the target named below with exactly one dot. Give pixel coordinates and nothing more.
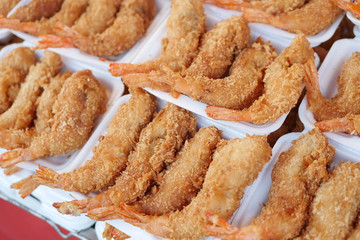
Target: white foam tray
(328, 73)
(152, 50)
(278, 34)
(115, 89)
(41, 200)
(162, 7)
(259, 195)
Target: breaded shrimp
(22, 111)
(129, 26)
(349, 124)
(313, 17)
(296, 177)
(70, 11)
(111, 232)
(21, 138)
(355, 235)
(36, 10)
(283, 85)
(81, 100)
(110, 154)
(157, 146)
(237, 91)
(269, 6)
(346, 101)
(351, 6)
(236, 164)
(185, 26)
(184, 178)
(6, 6)
(336, 204)
(13, 70)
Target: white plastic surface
(259, 195)
(115, 89)
(152, 50)
(41, 202)
(162, 7)
(328, 73)
(277, 34)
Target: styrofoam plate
(115, 89)
(152, 49)
(162, 7)
(328, 73)
(279, 34)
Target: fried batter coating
(13, 70)
(355, 235)
(236, 164)
(269, 6)
(283, 84)
(157, 146)
(22, 111)
(185, 26)
(70, 11)
(351, 6)
(349, 124)
(313, 17)
(6, 6)
(184, 178)
(110, 154)
(336, 204)
(295, 178)
(346, 101)
(21, 138)
(36, 10)
(80, 101)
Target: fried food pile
(340, 113)
(98, 27)
(307, 200)
(45, 112)
(295, 16)
(163, 174)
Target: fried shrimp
(349, 124)
(157, 146)
(21, 138)
(184, 178)
(6, 6)
(283, 84)
(351, 6)
(237, 91)
(313, 17)
(111, 232)
(110, 155)
(22, 111)
(185, 26)
(236, 164)
(13, 70)
(37, 9)
(80, 101)
(129, 26)
(346, 101)
(70, 11)
(354, 235)
(269, 6)
(336, 204)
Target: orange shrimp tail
(9, 159)
(354, 8)
(120, 69)
(75, 207)
(146, 80)
(221, 229)
(67, 32)
(25, 186)
(219, 113)
(256, 15)
(335, 125)
(104, 213)
(349, 6)
(11, 170)
(15, 24)
(47, 176)
(53, 41)
(311, 81)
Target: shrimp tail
(219, 113)
(66, 31)
(75, 207)
(9, 159)
(12, 170)
(259, 16)
(221, 229)
(348, 124)
(311, 81)
(16, 24)
(47, 176)
(151, 80)
(25, 186)
(53, 41)
(348, 5)
(120, 69)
